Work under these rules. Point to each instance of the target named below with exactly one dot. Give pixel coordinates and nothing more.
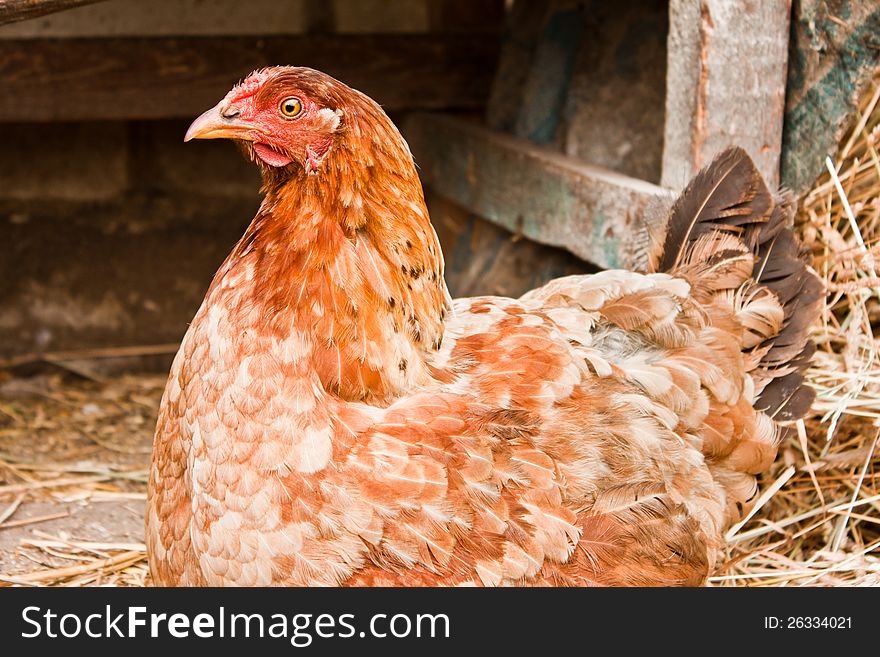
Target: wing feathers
(727, 196)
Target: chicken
(333, 418)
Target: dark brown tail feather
(730, 197)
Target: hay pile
(818, 521)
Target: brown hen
(333, 417)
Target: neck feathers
(347, 257)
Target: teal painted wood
(483, 258)
(598, 215)
(614, 111)
(830, 65)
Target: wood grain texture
(111, 79)
(725, 84)
(12, 11)
(598, 215)
(835, 53)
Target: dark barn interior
(114, 225)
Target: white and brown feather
(331, 419)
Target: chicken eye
(291, 107)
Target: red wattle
(270, 156)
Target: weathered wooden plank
(97, 79)
(725, 85)
(12, 11)
(835, 53)
(598, 215)
(553, 50)
(72, 279)
(483, 258)
(587, 78)
(178, 18)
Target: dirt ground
(74, 453)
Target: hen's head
(283, 116)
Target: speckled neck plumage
(347, 254)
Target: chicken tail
(732, 240)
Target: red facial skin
(276, 140)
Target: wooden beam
(151, 78)
(832, 63)
(12, 11)
(725, 84)
(598, 215)
(485, 259)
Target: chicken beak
(214, 125)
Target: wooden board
(12, 11)
(151, 78)
(80, 276)
(483, 258)
(725, 84)
(598, 215)
(835, 54)
(546, 85)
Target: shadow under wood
(485, 259)
(97, 276)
